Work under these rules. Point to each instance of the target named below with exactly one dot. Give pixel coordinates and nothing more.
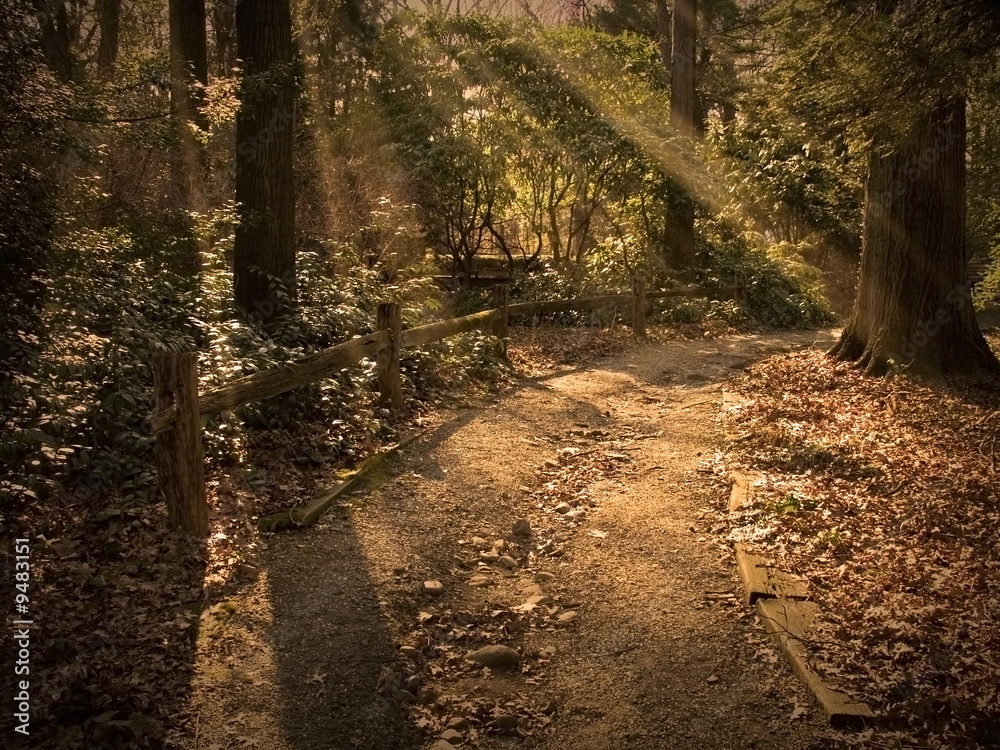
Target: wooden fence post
(390, 319)
(740, 293)
(638, 307)
(179, 454)
(501, 301)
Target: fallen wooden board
(792, 624)
(306, 515)
(762, 581)
(743, 489)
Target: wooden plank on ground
(436, 331)
(306, 515)
(793, 624)
(743, 490)
(763, 581)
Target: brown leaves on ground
(114, 598)
(885, 494)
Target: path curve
(655, 656)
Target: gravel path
(632, 639)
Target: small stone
(479, 543)
(567, 617)
(522, 527)
(451, 736)
(434, 588)
(548, 652)
(248, 572)
(442, 745)
(533, 590)
(537, 600)
(499, 546)
(505, 721)
(427, 695)
(550, 464)
(549, 708)
(507, 562)
(712, 679)
(409, 651)
(575, 515)
(489, 557)
(413, 683)
(495, 657)
(406, 696)
(459, 724)
(563, 508)
(479, 581)
(544, 577)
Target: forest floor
(622, 605)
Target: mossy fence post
(501, 301)
(740, 292)
(638, 307)
(179, 453)
(390, 386)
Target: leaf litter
(883, 494)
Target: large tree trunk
(53, 21)
(663, 32)
(189, 76)
(264, 253)
(683, 100)
(913, 308)
(108, 50)
(224, 34)
(683, 117)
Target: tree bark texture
(107, 53)
(663, 22)
(913, 307)
(683, 117)
(224, 33)
(683, 101)
(264, 253)
(53, 20)
(189, 76)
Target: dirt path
(630, 640)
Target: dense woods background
(248, 180)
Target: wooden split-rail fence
(178, 406)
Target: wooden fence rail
(179, 406)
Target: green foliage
(789, 185)
(836, 57)
(774, 296)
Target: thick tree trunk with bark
(264, 253)
(224, 33)
(189, 76)
(683, 99)
(683, 117)
(108, 51)
(913, 308)
(663, 22)
(53, 20)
